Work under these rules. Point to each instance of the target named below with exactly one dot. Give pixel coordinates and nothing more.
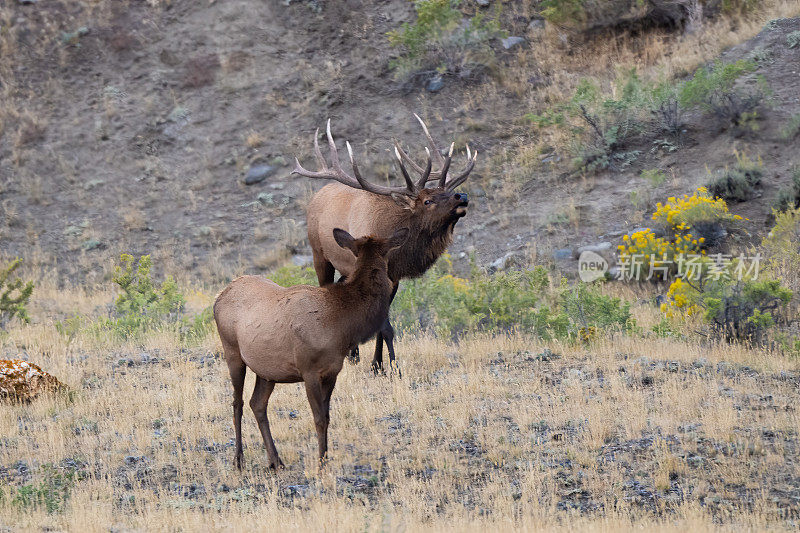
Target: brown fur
(364, 213)
(302, 333)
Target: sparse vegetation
(442, 42)
(526, 302)
(741, 310)
(50, 493)
(789, 197)
(14, 294)
(793, 39)
(655, 176)
(715, 90)
(738, 183)
(791, 129)
(142, 307)
(601, 126)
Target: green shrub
(14, 294)
(744, 311)
(782, 249)
(600, 126)
(563, 11)
(793, 39)
(737, 183)
(292, 275)
(142, 305)
(743, 299)
(789, 197)
(791, 129)
(655, 176)
(525, 301)
(51, 493)
(440, 42)
(714, 90)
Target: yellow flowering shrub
(643, 255)
(681, 213)
(681, 298)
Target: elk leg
(386, 333)
(324, 270)
(388, 337)
(319, 397)
(258, 403)
(237, 369)
(377, 360)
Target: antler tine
(409, 184)
(354, 165)
(318, 153)
(332, 145)
(446, 166)
(423, 179)
(461, 178)
(336, 172)
(431, 142)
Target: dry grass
(548, 72)
(621, 434)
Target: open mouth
(461, 210)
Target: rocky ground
(523, 433)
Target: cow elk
(302, 333)
(364, 208)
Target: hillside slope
(130, 127)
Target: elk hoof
(394, 369)
(354, 357)
(377, 369)
(238, 460)
(277, 466)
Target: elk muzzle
(463, 202)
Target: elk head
(438, 207)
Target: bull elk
(302, 333)
(364, 208)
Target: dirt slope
(135, 135)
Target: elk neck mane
(362, 302)
(421, 250)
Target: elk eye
(428, 202)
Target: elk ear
(398, 238)
(403, 200)
(345, 240)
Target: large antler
(336, 172)
(443, 161)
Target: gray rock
(507, 261)
(435, 85)
(27, 2)
(266, 198)
(93, 244)
(91, 184)
(598, 248)
(258, 173)
(562, 254)
(483, 3)
(73, 231)
(536, 25)
(511, 42)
